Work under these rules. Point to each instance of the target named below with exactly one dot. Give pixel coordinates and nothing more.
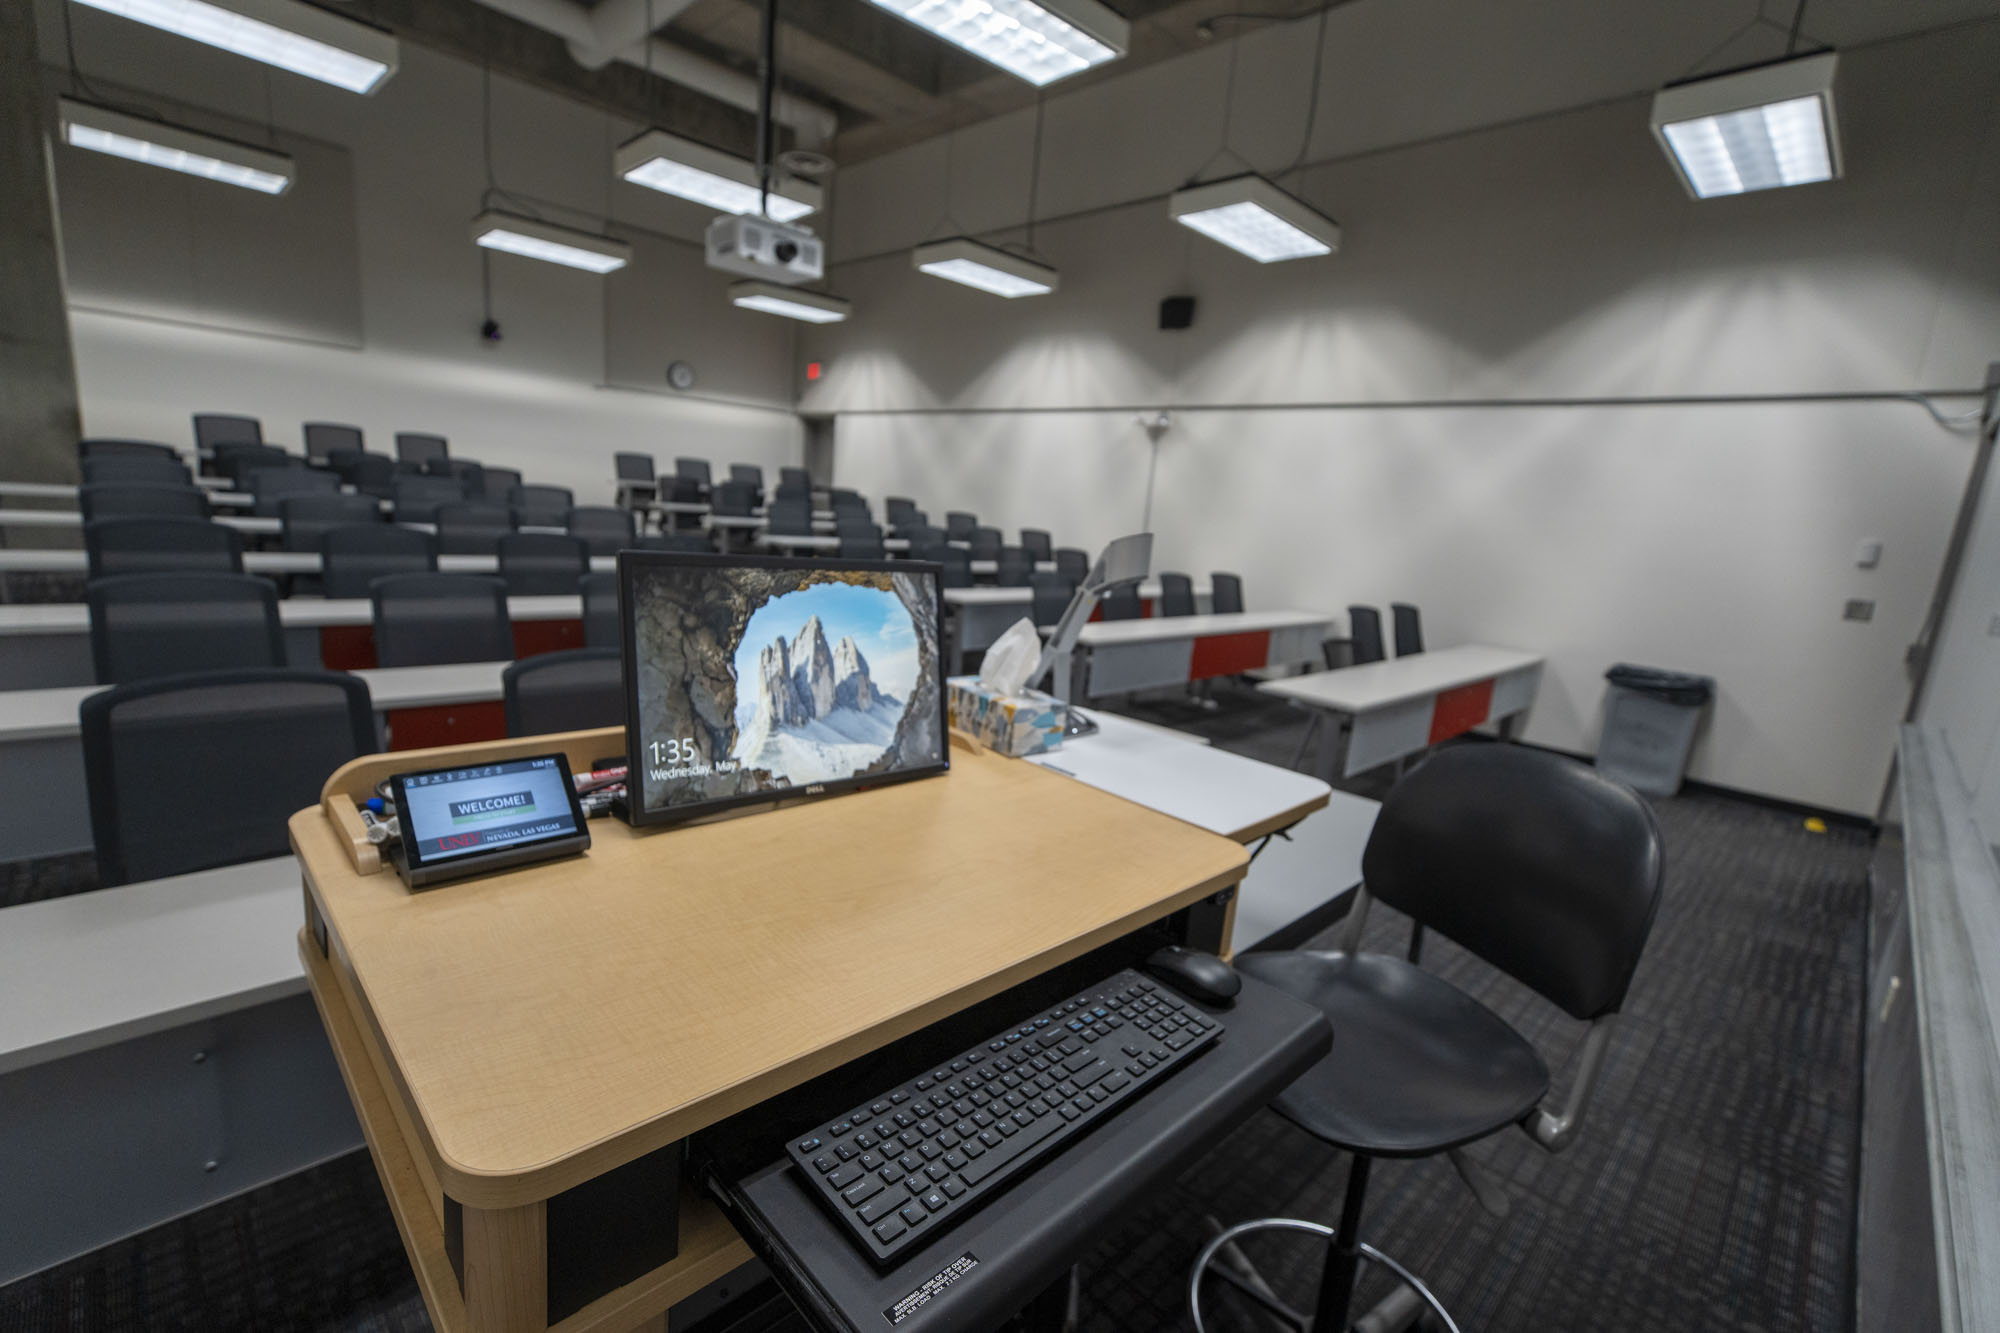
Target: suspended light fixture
(534, 239)
(1037, 40)
(291, 35)
(673, 165)
(1254, 217)
(983, 266)
(772, 299)
(1752, 129)
(156, 143)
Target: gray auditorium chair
(307, 518)
(496, 484)
(352, 558)
(957, 568)
(1052, 595)
(572, 691)
(272, 485)
(1015, 569)
(466, 528)
(214, 428)
(788, 518)
(541, 506)
(1364, 635)
(542, 564)
(418, 448)
(959, 525)
(147, 469)
(238, 461)
(117, 501)
(144, 545)
(1037, 544)
(1074, 563)
(426, 619)
(110, 448)
(147, 625)
(1121, 603)
(601, 625)
(750, 475)
(1409, 629)
(418, 498)
(986, 543)
(695, 470)
(862, 542)
(686, 543)
(324, 438)
(371, 474)
(794, 478)
(1537, 866)
(1176, 595)
(190, 772)
(1225, 595)
(605, 530)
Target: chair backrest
(418, 498)
(271, 485)
(605, 529)
(238, 461)
(467, 528)
(147, 469)
(601, 626)
(694, 469)
(862, 544)
(682, 490)
(190, 772)
(986, 543)
(1409, 627)
(213, 428)
(415, 447)
(688, 543)
(749, 472)
(307, 518)
(1038, 544)
(1074, 563)
(957, 564)
(161, 545)
(425, 619)
(1364, 635)
(572, 691)
(542, 564)
(1225, 595)
(1176, 595)
(794, 477)
(541, 506)
(324, 437)
(792, 518)
(732, 498)
(633, 467)
(372, 473)
(958, 525)
(470, 475)
(896, 506)
(1121, 603)
(1015, 568)
(496, 484)
(352, 558)
(147, 625)
(1534, 862)
(115, 501)
(102, 448)
(848, 521)
(1052, 595)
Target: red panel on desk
(1230, 654)
(347, 647)
(1460, 710)
(546, 636)
(446, 724)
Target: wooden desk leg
(506, 1269)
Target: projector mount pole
(767, 77)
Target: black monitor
(751, 679)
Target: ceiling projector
(757, 247)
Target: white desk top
(1361, 689)
(1102, 633)
(39, 490)
(1022, 596)
(294, 612)
(254, 562)
(1201, 785)
(71, 518)
(91, 969)
(820, 542)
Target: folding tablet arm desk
(528, 1051)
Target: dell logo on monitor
(814, 789)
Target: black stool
(1542, 868)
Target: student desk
(1119, 656)
(1384, 710)
(251, 525)
(981, 615)
(515, 1043)
(51, 490)
(254, 562)
(820, 541)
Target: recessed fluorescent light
(769, 297)
(1250, 215)
(286, 33)
(984, 267)
(158, 144)
(677, 166)
(1038, 40)
(1755, 129)
(544, 240)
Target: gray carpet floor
(1712, 1187)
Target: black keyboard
(925, 1154)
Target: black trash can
(1650, 716)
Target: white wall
(1509, 397)
(169, 322)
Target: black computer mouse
(1197, 975)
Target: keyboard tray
(975, 1274)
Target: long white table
(1385, 710)
(981, 615)
(819, 541)
(255, 562)
(1119, 656)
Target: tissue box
(1014, 724)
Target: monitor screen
(754, 678)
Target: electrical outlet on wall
(1859, 608)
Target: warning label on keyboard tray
(931, 1290)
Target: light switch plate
(1868, 554)
(1859, 608)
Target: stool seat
(1417, 1067)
